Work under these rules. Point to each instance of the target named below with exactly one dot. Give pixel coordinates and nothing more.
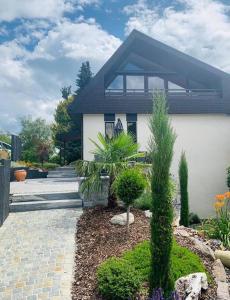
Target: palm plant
(111, 157)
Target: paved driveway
(37, 254)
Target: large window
(109, 125)
(175, 88)
(117, 83)
(135, 82)
(155, 83)
(132, 125)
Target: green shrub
(183, 175)
(144, 202)
(117, 279)
(129, 186)
(184, 262)
(193, 219)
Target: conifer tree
(83, 76)
(162, 142)
(183, 176)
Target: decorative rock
(148, 213)
(204, 249)
(121, 219)
(224, 256)
(181, 231)
(215, 244)
(192, 285)
(222, 291)
(219, 271)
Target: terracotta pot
(20, 175)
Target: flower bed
(97, 239)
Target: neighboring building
(198, 97)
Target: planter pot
(20, 175)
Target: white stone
(203, 248)
(148, 213)
(192, 285)
(181, 231)
(219, 271)
(121, 219)
(222, 291)
(224, 256)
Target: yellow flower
(220, 197)
(218, 205)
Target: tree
(112, 156)
(33, 134)
(129, 186)
(83, 77)
(5, 138)
(183, 176)
(162, 142)
(65, 131)
(66, 92)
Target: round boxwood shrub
(121, 278)
(117, 279)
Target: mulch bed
(97, 239)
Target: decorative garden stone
(203, 248)
(180, 230)
(148, 213)
(121, 219)
(222, 291)
(219, 271)
(224, 256)
(192, 285)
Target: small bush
(144, 202)
(193, 219)
(129, 186)
(117, 279)
(184, 262)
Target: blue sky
(44, 42)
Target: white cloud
(45, 9)
(31, 81)
(201, 29)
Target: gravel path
(37, 255)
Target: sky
(44, 42)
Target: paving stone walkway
(37, 255)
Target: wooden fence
(4, 189)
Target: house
(198, 97)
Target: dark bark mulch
(97, 239)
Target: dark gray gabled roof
(93, 99)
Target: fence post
(4, 189)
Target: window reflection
(117, 83)
(135, 82)
(155, 83)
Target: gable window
(175, 88)
(135, 83)
(155, 83)
(132, 125)
(116, 84)
(109, 125)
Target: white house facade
(198, 97)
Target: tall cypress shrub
(162, 142)
(183, 177)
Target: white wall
(204, 138)
(92, 125)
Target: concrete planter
(98, 198)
